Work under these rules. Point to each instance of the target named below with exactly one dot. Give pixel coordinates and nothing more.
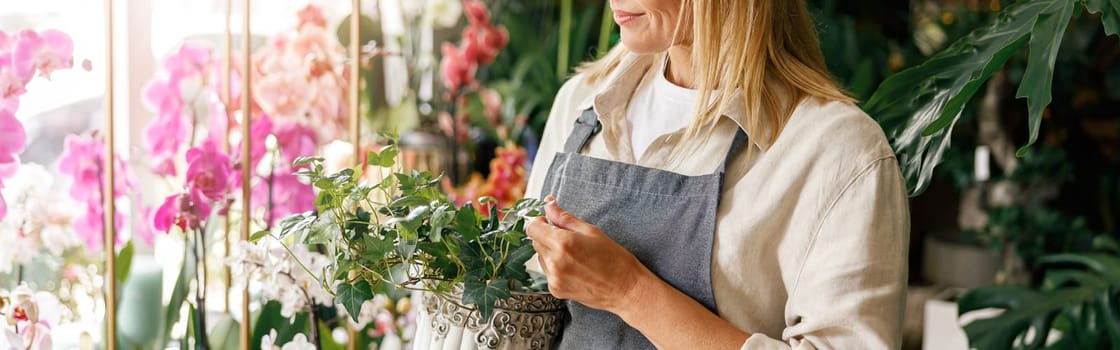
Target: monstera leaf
(918, 107)
(1075, 308)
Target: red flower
(313, 15)
(476, 12)
(456, 68)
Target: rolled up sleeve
(851, 289)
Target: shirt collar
(612, 94)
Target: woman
(771, 217)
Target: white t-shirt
(657, 108)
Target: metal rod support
(109, 189)
(355, 79)
(227, 101)
(246, 161)
(355, 111)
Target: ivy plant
(402, 231)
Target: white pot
(525, 321)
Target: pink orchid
(208, 173)
(171, 213)
(13, 138)
(284, 94)
(82, 159)
(11, 85)
(145, 229)
(295, 140)
(91, 226)
(218, 125)
(164, 136)
(217, 80)
(10, 104)
(261, 128)
(5, 42)
(192, 60)
(312, 15)
(288, 196)
(46, 52)
(455, 68)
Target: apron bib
(667, 220)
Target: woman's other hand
(583, 264)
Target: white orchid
(444, 13)
(292, 279)
(299, 342)
(29, 318)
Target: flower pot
(525, 321)
(949, 263)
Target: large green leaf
(919, 106)
(178, 296)
(1078, 296)
(270, 319)
(124, 262)
(1039, 75)
(352, 296)
(1109, 10)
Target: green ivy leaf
(408, 202)
(351, 296)
(385, 159)
(296, 223)
(323, 231)
(375, 248)
(466, 223)
(441, 217)
(258, 235)
(484, 295)
(514, 268)
(301, 161)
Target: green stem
(564, 53)
(606, 28)
(304, 267)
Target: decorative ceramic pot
(525, 321)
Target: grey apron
(667, 220)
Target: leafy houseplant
(1078, 299)
(402, 231)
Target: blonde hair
(748, 46)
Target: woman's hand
(584, 265)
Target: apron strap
(586, 126)
(741, 139)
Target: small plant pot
(525, 321)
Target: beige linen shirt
(812, 232)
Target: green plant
(404, 232)
(919, 106)
(1078, 300)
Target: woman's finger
(565, 220)
(538, 230)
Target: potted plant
(398, 229)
